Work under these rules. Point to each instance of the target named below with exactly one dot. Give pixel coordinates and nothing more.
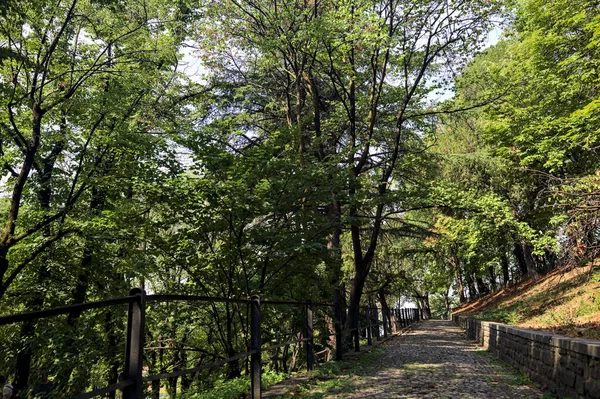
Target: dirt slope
(563, 302)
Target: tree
(543, 127)
(351, 83)
(77, 91)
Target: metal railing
(132, 380)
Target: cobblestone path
(433, 360)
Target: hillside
(562, 302)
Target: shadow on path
(432, 360)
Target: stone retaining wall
(568, 367)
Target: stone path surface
(432, 360)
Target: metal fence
(132, 380)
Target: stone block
(579, 385)
(594, 369)
(563, 392)
(569, 367)
(576, 365)
(566, 378)
(548, 357)
(592, 388)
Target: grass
(509, 374)
(565, 303)
(332, 376)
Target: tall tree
(352, 83)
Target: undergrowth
(332, 376)
(234, 389)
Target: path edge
(295, 380)
(568, 367)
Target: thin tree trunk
(186, 380)
(505, 271)
(492, 275)
(471, 286)
(447, 304)
(458, 276)
(24, 357)
(384, 308)
(334, 256)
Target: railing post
(134, 347)
(356, 313)
(369, 327)
(310, 356)
(339, 345)
(255, 366)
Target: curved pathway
(434, 359)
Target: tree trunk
(385, 309)
(358, 284)
(447, 304)
(23, 362)
(481, 286)
(186, 380)
(492, 275)
(233, 367)
(551, 260)
(173, 380)
(334, 260)
(530, 262)
(458, 276)
(505, 271)
(8, 231)
(461, 288)
(81, 374)
(471, 286)
(426, 306)
(518, 251)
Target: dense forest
(352, 152)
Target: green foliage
(233, 389)
(311, 156)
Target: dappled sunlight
(434, 360)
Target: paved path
(433, 360)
